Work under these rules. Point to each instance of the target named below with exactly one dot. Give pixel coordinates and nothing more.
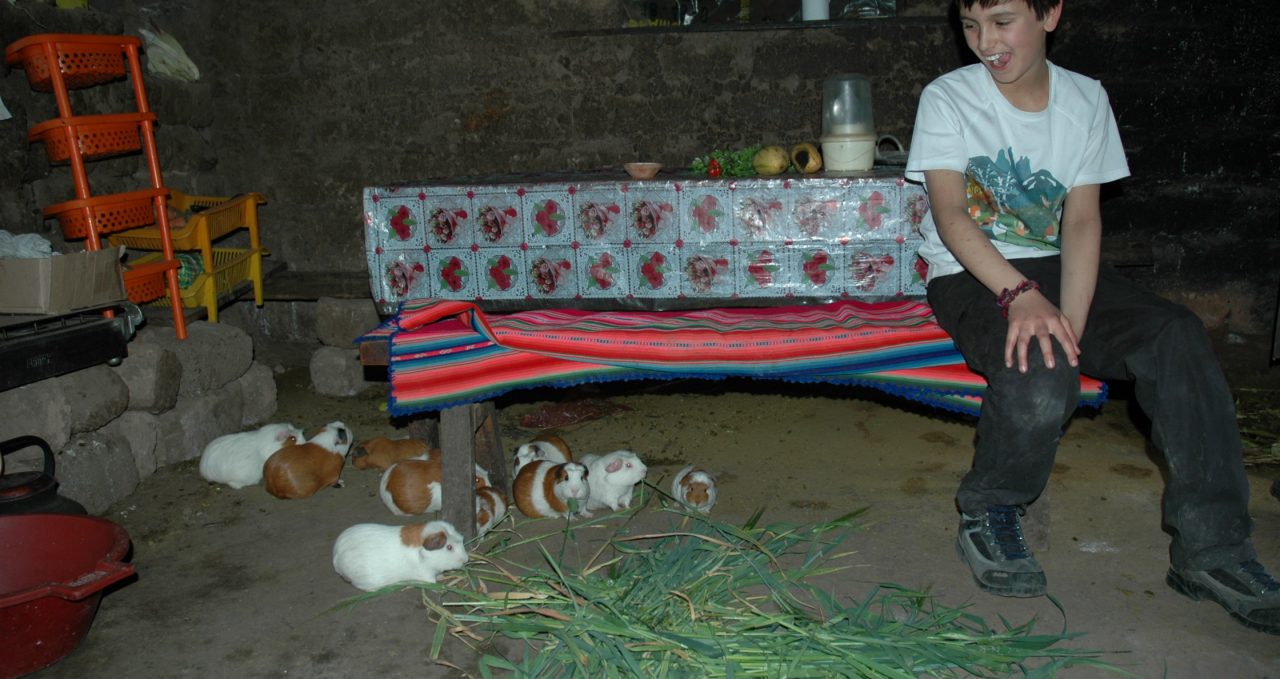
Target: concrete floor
(239, 584)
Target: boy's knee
(1042, 397)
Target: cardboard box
(62, 283)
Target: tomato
(713, 168)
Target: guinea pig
(413, 486)
(544, 447)
(696, 489)
(381, 452)
(300, 470)
(237, 459)
(491, 506)
(372, 556)
(544, 488)
(612, 477)
(335, 437)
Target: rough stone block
(140, 430)
(184, 431)
(96, 395)
(153, 374)
(337, 372)
(258, 386)
(212, 356)
(96, 470)
(58, 407)
(340, 321)
(36, 409)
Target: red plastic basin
(52, 574)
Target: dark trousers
(1131, 334)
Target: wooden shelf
(841, 25)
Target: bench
(554, 277)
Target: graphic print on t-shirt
(1013, 204)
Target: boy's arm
(1031, 315)
(1081, 251)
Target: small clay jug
(33, 492)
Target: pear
(806, 158)
(771, 159)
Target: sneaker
(1245, 589)
(993, 546)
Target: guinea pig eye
(449, 547)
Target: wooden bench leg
(469, 434)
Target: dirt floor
(239, 584)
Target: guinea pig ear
(435, 540)
(614, 466)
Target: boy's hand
(1031, 316)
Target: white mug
(815, 10)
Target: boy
(1012, 151)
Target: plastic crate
(213, 218)
(231, 267)
(83, 60)
(112, 212)
(97, 136)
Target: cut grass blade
(705, 598)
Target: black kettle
(33, 492)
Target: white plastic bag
(166, 57)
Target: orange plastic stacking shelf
(146, 282)
(83, 60)
(112, 212)
(97, 136)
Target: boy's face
(1009, 40)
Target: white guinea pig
(544, 447)
(237, 459)
(695, 488)
(544, 488)
(612, 477)
(372, 556)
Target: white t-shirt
(1018, 166)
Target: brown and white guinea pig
(413, 486)
(544, 488)
(237, 459)
(613, 476)
(694, 488)
(381, 452)
(543, 447)
(372, 556)
(491, 507)
(300, 470)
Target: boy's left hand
(1033, 316)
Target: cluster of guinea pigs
(549, 482)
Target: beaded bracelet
(1008, 295)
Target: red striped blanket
(447, 353)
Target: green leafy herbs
(732, 163)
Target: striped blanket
(445, 353)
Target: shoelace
(1260, 575)
(1008, 532)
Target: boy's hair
(1040, 7)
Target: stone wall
(308, 104)
(111, 427)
